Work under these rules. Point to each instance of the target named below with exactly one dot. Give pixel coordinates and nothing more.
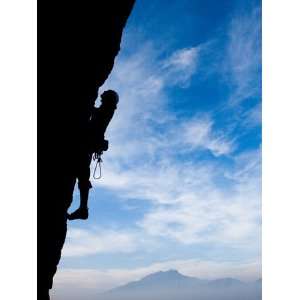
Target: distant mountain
(161, 280)
(225, 282)
(172, 285)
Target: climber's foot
(80, 213)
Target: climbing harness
(97, 156)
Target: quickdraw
(97, 156)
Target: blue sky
(181, 182)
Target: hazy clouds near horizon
(172, 285)
(249, 293)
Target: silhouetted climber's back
(92, 142)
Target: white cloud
(81, 242)
(252, 117)
(242, 63)
(199, 133)
(182, 65)
(189, 205)
(247, 168)
(161, 182)
(211, 217)
(183, 59)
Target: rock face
(77, 44)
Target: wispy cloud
(182, 65)
(189, 205)
(199, 133)
(209, 213)
(242, 62)
(252, 117)
(81, 242)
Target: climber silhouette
(94, 143)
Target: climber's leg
(82, 212)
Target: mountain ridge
(172, 284)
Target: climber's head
(110, 97)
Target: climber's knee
(84, 185)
